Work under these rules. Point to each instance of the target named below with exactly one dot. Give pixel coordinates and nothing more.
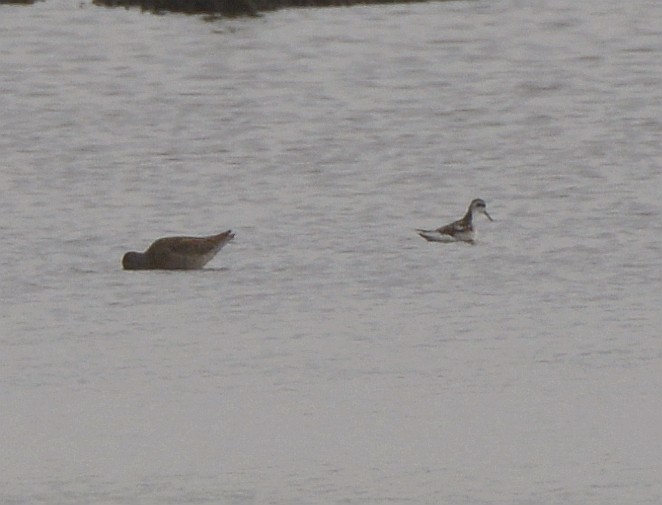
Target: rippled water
(330, 355)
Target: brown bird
(177, 253)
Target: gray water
(330, 355)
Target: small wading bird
(461, 230)
(177, 253)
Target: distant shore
(17, 2)
(233, 7)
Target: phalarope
(461, 230)
(177, 253)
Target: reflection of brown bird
(461, 230)
(177, 253)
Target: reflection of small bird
(461, 230)
(177, 253)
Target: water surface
(330, 355)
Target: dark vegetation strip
(233, 7)
(17, 2)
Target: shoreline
(234, 8)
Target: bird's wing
(451, 229)
(187, 246)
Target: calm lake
(330, 355)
